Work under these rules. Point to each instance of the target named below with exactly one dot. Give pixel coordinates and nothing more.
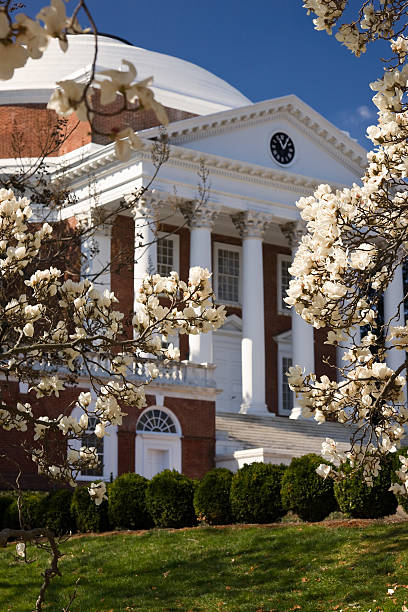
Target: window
(284, 277)
(287, 394)
(227, 273)
(89, 439)
(156, 421)
(167, 254)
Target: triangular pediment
(321, 150)
(233, 323)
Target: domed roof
(177, 83)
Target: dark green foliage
(396, 465)
(31, 512)
(5, 500)
(358, 500)
(255, 493)
(169, 500)
(212, 497)
(56, 510)
(306, 493)
(127, 502)
(87, 515)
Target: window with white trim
(156, 420)
(284, 277)
(91, 440)
(167, 253)
(227, 273)
(287, 394)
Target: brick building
(261, 157)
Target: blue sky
(265, 48)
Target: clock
(282, 148)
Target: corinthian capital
(293, 232)
(251, 224)
(95, 220)
(199, 214)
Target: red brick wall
(27, 129)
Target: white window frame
(227, 247)
(281, 309)
(110, 452)
(170, 442)
(175, 238)
(284, 341)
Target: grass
(300, 567)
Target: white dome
(177, 83)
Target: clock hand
(286, 143)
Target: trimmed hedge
(87, 515)
(358, 500)
(56, 510)
(127, 502)
(212, 497)
(169, 499)
(304, 492)
(255, 493)
(31, 511)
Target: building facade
(260, 159)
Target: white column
(251, 226)
(394, 315)
(302, 332)
(200, 218)
(96, 251)
(145, 216)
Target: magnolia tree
(355, 241)
(54, 327)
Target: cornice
(332, 139)
(190, 159)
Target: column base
(255, 408)
(296, 413)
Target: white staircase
(279, 438)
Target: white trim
(280, 258)
(284, 342)
(146, 441)
(175, 238)
(227, 247)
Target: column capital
(251, 224)
(293, 232)
(199, 214)
(94, 220)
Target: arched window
(158, 442)
(158, 421)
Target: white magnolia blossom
(97, 492)
(356, 238)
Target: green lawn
(297, 567)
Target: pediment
(233, 323)
(322, 151)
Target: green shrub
(169, 500)
(127, 502)
(255, 493)
(358, 500)
(306, 493)
(396, 465)
(31, 511)
(87, 515)
(212, 497)
(5, 500)
(56, 510)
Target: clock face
(282, 148)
